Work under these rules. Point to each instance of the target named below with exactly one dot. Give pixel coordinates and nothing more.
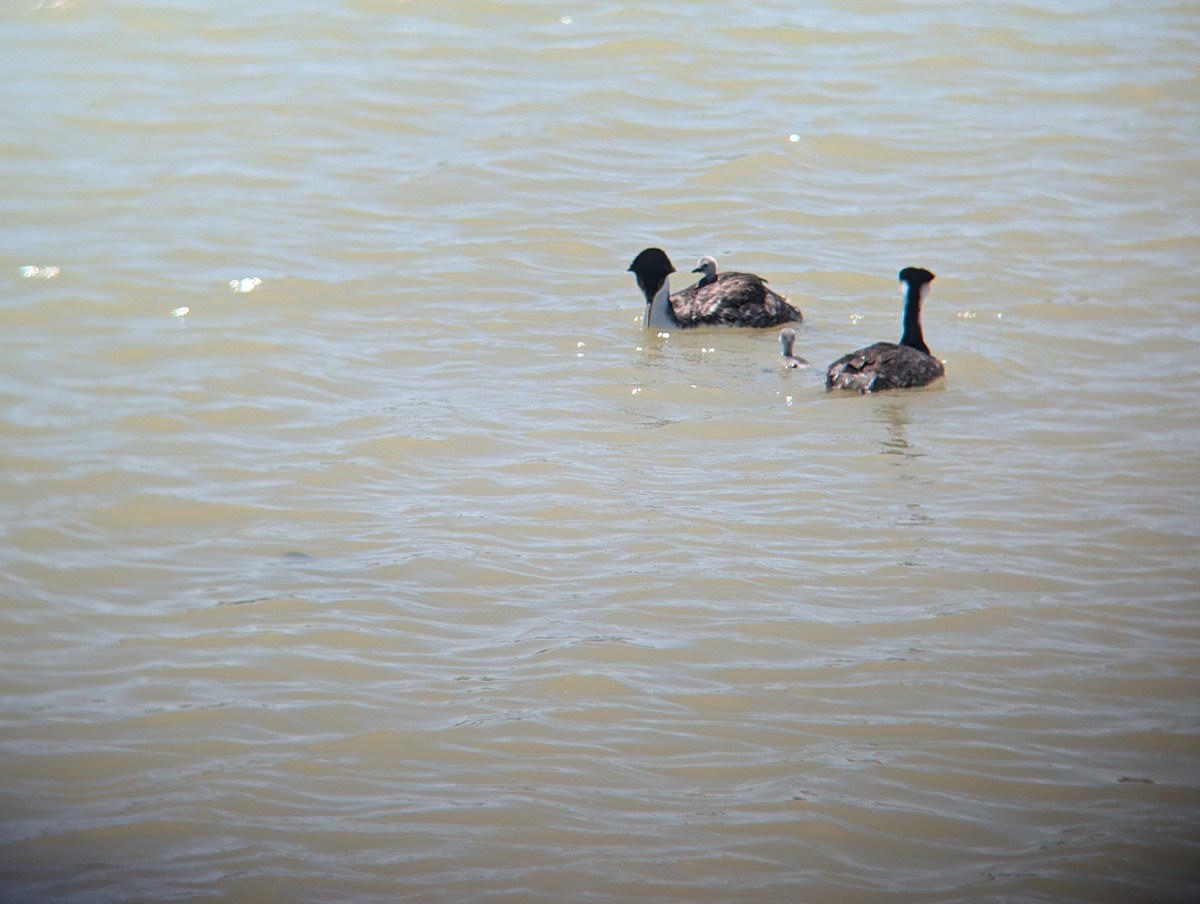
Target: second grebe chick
(787, 338)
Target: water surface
(358, 544)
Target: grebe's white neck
(659, 315)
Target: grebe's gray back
(890, 365)
(728, 299)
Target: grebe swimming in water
(730, 299)
(888, 365)
(787, 338)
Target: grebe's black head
(652, 260)
(651, 267)
(915, 276)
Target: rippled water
(358, 545)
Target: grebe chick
(708, 266)
(730, 299)
(890, 365)
(787, 338)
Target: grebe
(888, 365)
(730, 299)
(707, 265)
(787, 338)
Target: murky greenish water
(359, 546)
